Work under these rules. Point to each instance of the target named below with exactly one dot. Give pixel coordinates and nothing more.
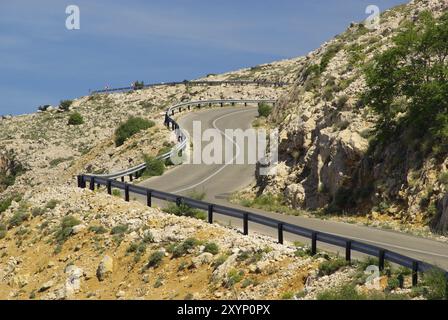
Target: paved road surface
(220, 181)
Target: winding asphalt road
(218, 182)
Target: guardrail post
(246, 224)
(109, 187)
(245, 104)
(149, 198)
(131, 178)
(348, 251)
(92, 183)
(189, 108)
(210, 214)
(126, 192)
(172, 112)
(280, 233)
(414, 273)
(122, 179)
(178, 201)
(381, 259)
(314, 243)
(222, 104)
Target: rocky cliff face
(325, 130)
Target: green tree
(407, 84)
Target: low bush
(131, 127)
(3, 231)
(435, 285)
(75, 119)
(52, 204)
(66, 229)
(98, 229)
(264, 110)
(154, 167)
(329, 267)
(185, 211)
(155, 260)
(65, 105)
(212, 248)
(18, 218)
(233, 277)
(120, 229)
(183, 248)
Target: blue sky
(41, 62)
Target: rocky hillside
(69, 243)
(329, 162)
(42, 148)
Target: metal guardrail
(182, 137)
(196, 83)
(349, 245)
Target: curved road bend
(220, 181)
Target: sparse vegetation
(3, 231)
(155, 260)
(65, 105)
(66, 229)
(183, 248)
(52, 204)
(119, 229)
(98, 229)
(329, 267)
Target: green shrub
(120, 229)
(264, 110)
(221, 259)
(138, 85)
(212, 248)
(66, 229)
(329, 54)
(116, 193)
(98, 229)
(435, 283)
(183, 248)
(346, 292)
(65, 104)
(18, 218)
(155, 260)
(287, 296)
(75, 119)
(341, 102)
(185, 211)
(148, 238)
(233, 277)
(443, 179)
(37, 211)
(52, 204)
(327, 268)
(3, 231)
(131, 127)
(154, 167)
(139, 249)
(5, 204)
